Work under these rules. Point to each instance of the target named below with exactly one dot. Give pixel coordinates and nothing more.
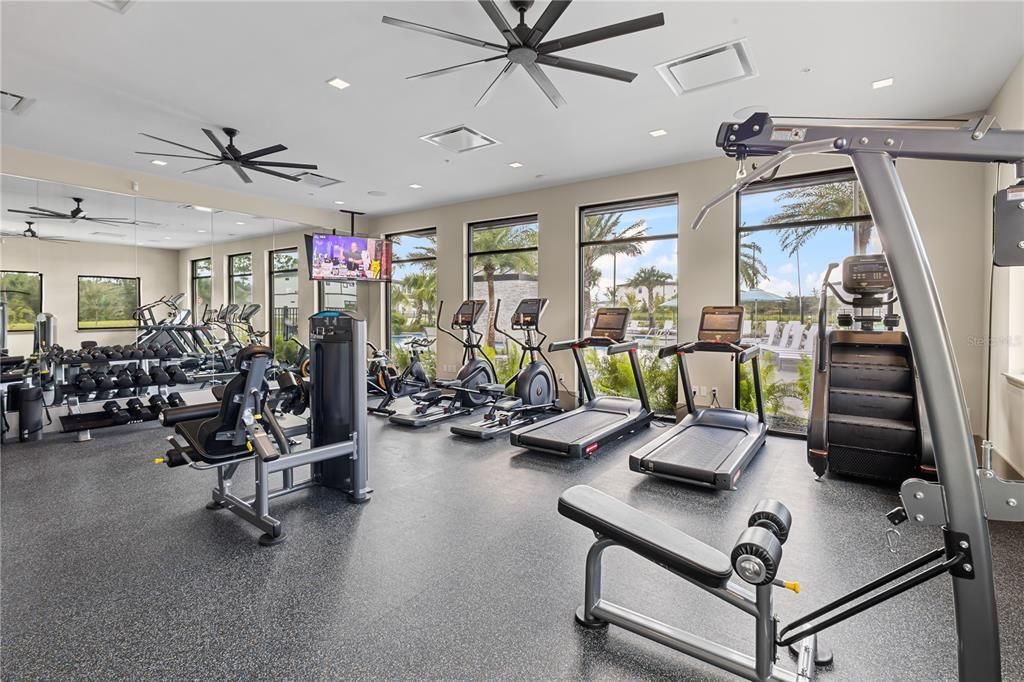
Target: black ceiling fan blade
(47, 211)
(585, 67)
(176, 144)
(603, 33)
(210, 165)
(224, 153)
(259, 169)
(241, 173)
(39, 214)
(105, 221)
(208, 157)
(58, 240)
(450, 69)
(281, 164)
(547, 19)
(499, 20)
(440, 33)
(545, 84)
(273, 149)
(502, 75)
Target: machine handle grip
(622, 347)
(823, 316)
(562, 345)
(169, 416)
(668, 351)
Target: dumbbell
(141, 377)
(84, 383)
(172, 351)
(177, 375)
(175, 400)
(147, 353)
(114, 411)
(104, 381)
(159, 376)
(132, 353)
(98, 356)
(758, 551)
(125, 392)
(114, 354)
(160, 352)
(135, 409)
(71, 359)
(124, 378)
(157, 403)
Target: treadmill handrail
(583, 342)
(622, 347)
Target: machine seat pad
(189, 430)
(492, 389)
(647, 536)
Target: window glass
(284, 299)
(23, 294)
(412, 295)
(107, 302)
(202, 286)
(240, 278)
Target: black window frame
(271, 271)
(232, 275)
(420, 232)
(321, 292)
(612, 207)
(823, 177)
(193, 278)
(529, 219)
(78, 302)
(31, 329)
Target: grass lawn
(107, 324)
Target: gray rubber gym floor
(460, 568)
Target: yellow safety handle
(159, 460)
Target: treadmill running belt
(696, 452)
(572, 429)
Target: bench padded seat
(647, 536)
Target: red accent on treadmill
(590, 448)
(818, 453)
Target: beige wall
(943, 196)
(61, 263)
(1006, 402)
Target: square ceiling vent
(460, 139)
(317, 180)
(16, 104)
(716, 65)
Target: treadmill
(602, 419)
(711, 446)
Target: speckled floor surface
(460, 568)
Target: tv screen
(340, 257)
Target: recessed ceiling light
(196, 231)
(658, 133)
(415, 186)
(158, 162)
(884, 83)
(338, 83)
(515, 164)
(239, 223)
(204, 209)
(166, 237)
(340, 203)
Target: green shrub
(285, 351)
(612, 375)
(773, 391)
(805, 377)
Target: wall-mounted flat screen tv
(339, 257)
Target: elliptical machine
(432, 404)
(383, 379)
(536, 391)
(866, 414)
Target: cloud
(786, 268)
(776, 285)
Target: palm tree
(648, 278)
(632, 301)
(814, 202)
(417, 288)
(752, 268)
(604, 227)
(495, 257)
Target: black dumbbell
(135, 409)
(159, 376)
(157, 403)
(172, 351)
(114, 354)
(125, 392)
(133, 354)
(115, 412)
(104, 381)
(141, 377)
(98, 356)
(72, 360)
(148, 353)
(84, 383)
(175, 400)
(160, 353)
(177, 375)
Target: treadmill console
(468, 313)
(867, 274)
(610, 323)
(721, 324)
(528, 312)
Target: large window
(412, 294)
(789, 230)
(107, 302)
(202, 286)
(503, 266)
(628, 259)
(341, 296)
(284, 301)
(22, 293)
(240, 278)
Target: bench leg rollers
(268, 540)
(589, 623)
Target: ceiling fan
(525, 45)
(76, 214)
(231, 156)
(30, 233)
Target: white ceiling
(169, 68)
(176, 226)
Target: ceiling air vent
(16, 104)
(460, 139)
(119, 6)
(317, 180)
(716, 65)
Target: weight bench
(755, 559)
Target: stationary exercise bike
(433, 404)
(383, 379)
(535, 391)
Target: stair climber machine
(961, 503)
(384, 380)
(711, 446)
(601, 419)
(535, 393)
(433, 404)
(246, 424)
(867, 417)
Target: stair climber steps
(872, 433)
(861, 402)
(871, 377)
(862, 354)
